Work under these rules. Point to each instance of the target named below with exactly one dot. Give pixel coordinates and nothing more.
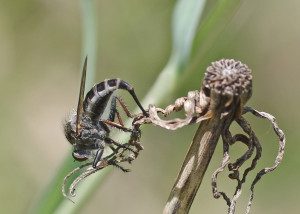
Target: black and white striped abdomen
(96, 99)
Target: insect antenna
(81, 97)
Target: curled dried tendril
(230, 79)
(252, 142)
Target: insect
(88, 131)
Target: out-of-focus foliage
(40, 62)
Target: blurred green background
(40, 58)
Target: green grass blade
(212, 26)
(52, 197)
(185, 20)
(89, 40)
(186, 17)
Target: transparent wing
(81, 96)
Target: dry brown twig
(226, 88)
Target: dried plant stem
(198, 157)
(226, 87)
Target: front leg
(119, 145)
(98, 157)
(116, 125)
(115, 163)
(114, 111)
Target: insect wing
(81, 96)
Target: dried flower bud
(229, 77)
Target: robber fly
(87, 130)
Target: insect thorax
(90, 133)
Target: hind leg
(114, 112)
(98, 157)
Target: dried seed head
(229, 77)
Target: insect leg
(115, 163)
(119, 145)
(114, 111)
(98, 157)
(111, 159)
(124, 107)
(116, 125)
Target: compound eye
(206, 91)
(80, 155)
(69, 133)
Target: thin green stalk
(52, 197)
(89, 39)
(208, 39)
(185, 20)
